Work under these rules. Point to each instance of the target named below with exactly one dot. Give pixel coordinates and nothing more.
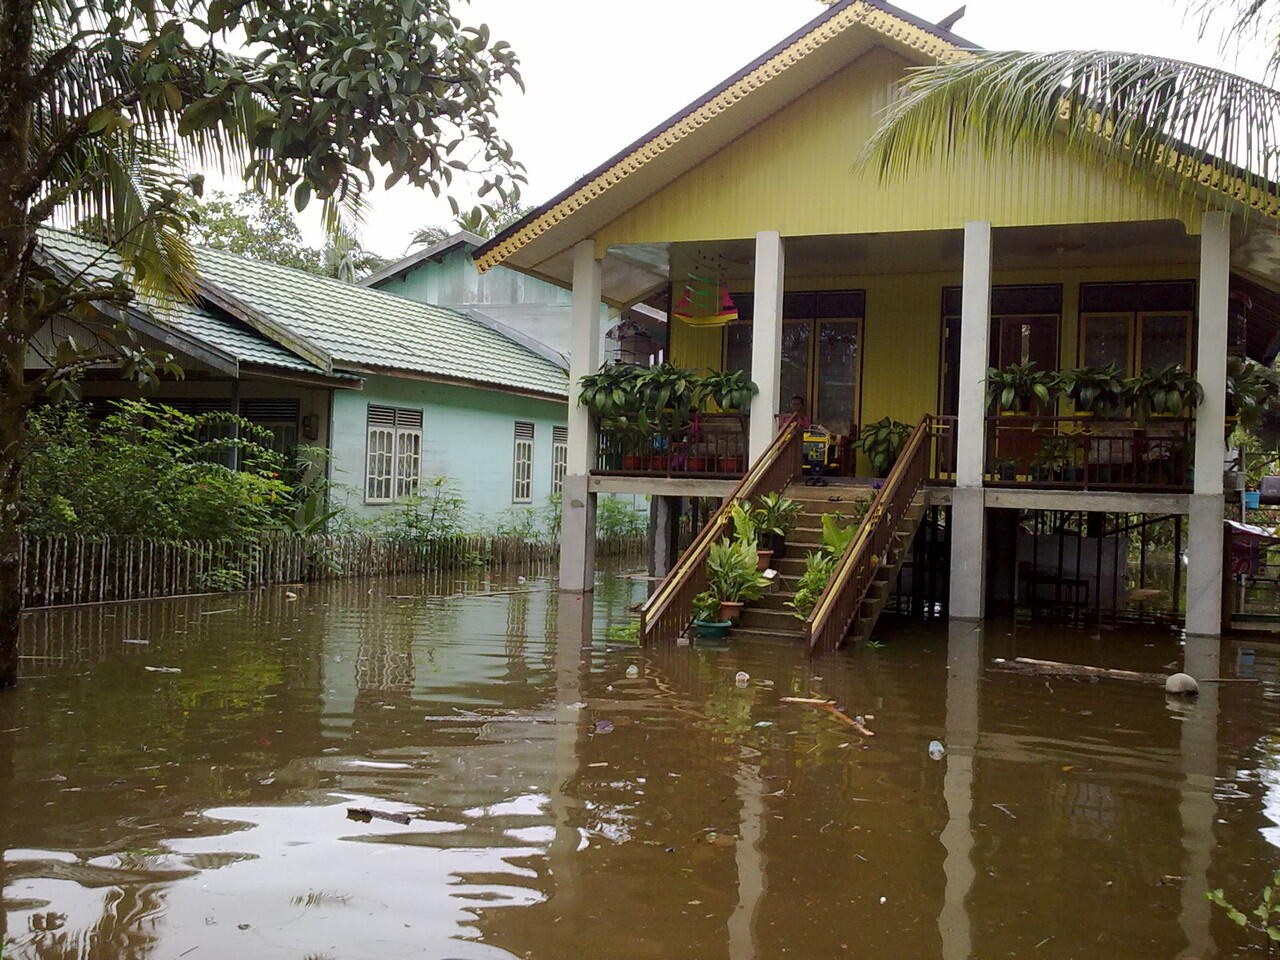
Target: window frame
(559, 458)
(522, 479)
(395, 438)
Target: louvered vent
(524, 431)
(382, 416)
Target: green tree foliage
(1145, 115)
(107, 105)
(484, 221)
(148, 470)
(254, 226)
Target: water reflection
(564, 806)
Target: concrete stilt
(766, 341)
(578, 520)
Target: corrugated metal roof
(362, 327)
(226, 333)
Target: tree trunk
(12, 417)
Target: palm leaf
(1156, 120)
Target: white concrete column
(1204, 543)
(1197, 808)
(968, 512)
(578, 509)
(766, 341)
(975, 331)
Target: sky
(600, 73)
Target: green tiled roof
(357, 326)
(212, 327)
(368, 328)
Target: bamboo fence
(59, 571)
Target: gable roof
(233, 339)
(367, 330)
(436, 251)
(281, 317)
(786, 70)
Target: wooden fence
(57, 571)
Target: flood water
(175, 778)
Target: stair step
(790, 633)
(765, 618)
(777, 600)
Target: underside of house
(859, 298)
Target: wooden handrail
(668, 611)
(840, 601)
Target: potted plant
(818, 566)
(882, 441)
(1251, 389)
(732, 576)
(730, 390)
(745, 530)
(774, 517)
(1097, 391)
(1006, 469)
(1169, 391)
(1021, 388)
(611, 392)
(1052, 460)
(706, 620)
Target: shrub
(149, 470)
(436, 513)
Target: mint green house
(397, 390)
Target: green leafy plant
(775, 514)
(613, 392)
(731, 571)
(436, 513)
(836, 538)
(1265, 913)
(730, 390)
(1251, 389)
(882, 442)
(1020, 388)
(1099, 390)
(1172, 390)
(1055, 454)
(706, 606)
(744, 527)
(149, 470)
(818, 567)
(628, 632)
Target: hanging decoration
(705, 300)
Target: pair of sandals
(815, 482)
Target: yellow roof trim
(860, 12)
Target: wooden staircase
(771, 617)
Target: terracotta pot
(630, 461)
(658, 463)
(729, 610)
(763, 559)
(697, 464)
(730, 464)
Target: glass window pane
(1106, 340)
(795, 364)
(738, 347)
(1164, 340)
(837, 376)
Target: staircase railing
(668, 611)
(839, 603)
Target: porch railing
(942, 449)
(713, 445)
(1090, 453)
(670, 609)
(833, 614)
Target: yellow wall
(794, 172)
(901, 338)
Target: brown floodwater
(175, 778)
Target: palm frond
(1157, 120)
(1241, 24)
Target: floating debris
(936, 750)
(365, 815)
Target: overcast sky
(601, 73)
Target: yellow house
(867, 298)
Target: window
(522, 464)
(821, 333)
(559, 457)
(393, 454)
(1137, 326)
